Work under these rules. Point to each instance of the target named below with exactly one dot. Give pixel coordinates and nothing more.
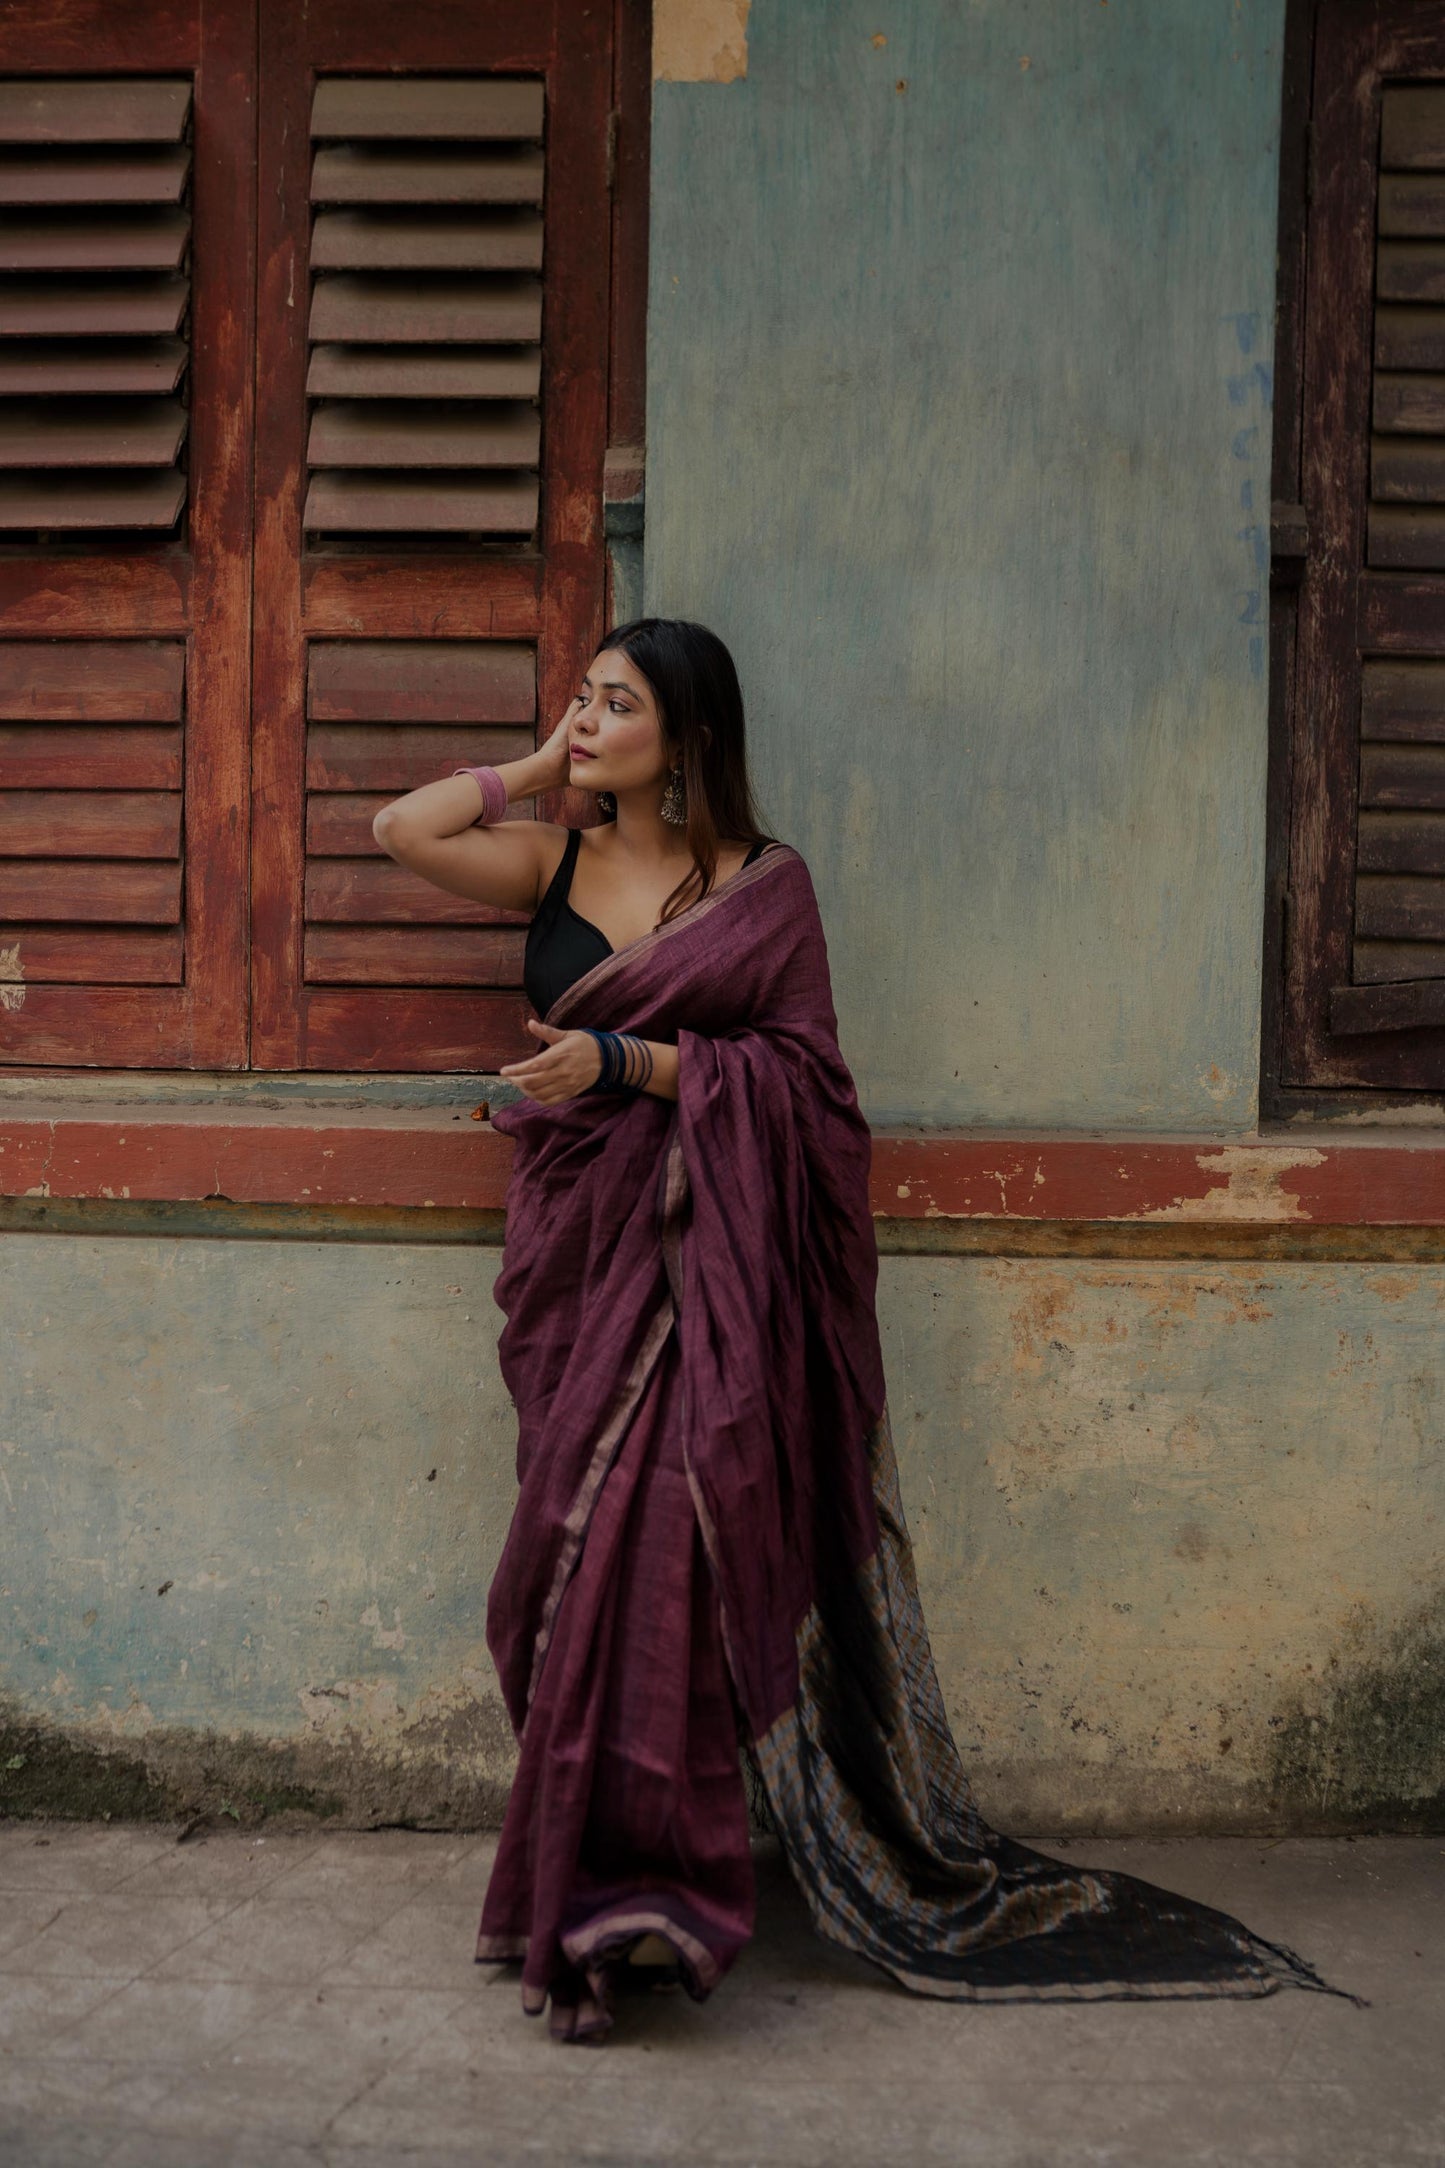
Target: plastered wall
(1178, 1531)
(958, 431)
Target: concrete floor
(280, 2000)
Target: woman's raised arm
(433, 830)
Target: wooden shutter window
(90, 816)
(426, 307)
(430, 564)
(1398, 953)
(94, 292)
(379, 714)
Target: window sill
(376, 1142)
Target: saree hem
(612, 1933)
(604, 1937)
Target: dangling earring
(674, 800)
(606, 803)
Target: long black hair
(700, 703)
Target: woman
(709, 1549)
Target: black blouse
(561, 944)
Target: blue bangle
(614, 1050)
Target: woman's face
(615, 735)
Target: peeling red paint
(1255, 1180)
(402, 1156)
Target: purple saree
(709, 1548)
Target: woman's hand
(554, 757)
(566, 1063)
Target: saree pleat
(628, 1814)
(709, 1546)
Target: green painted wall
(958, 424)
(1179, 1531)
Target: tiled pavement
(275, 2001)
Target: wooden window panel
(126, 332)
(1363, 679)
(406, 497)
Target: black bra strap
(560, 884)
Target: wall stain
(448, 1771)
(1366, 1748)
(699, 41)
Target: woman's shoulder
(788, 877)
(779, 852)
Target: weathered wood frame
(198, 589)
(243, 1000)
(1326, 610)
(554, 595)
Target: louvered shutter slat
(1409, 338)
(422, 681)
(136, 241)
(481, 108)
(105, 824)
(89, 500)
(1404, 539)
(420, 434)
(1412, 127)
(1391, 842)
(1407, 470)
(1403, 700)
(415, 955)
(101, 501)
(82, 681)
(113, 891)
(375, 891)
(80, 111)
(441, 240)
(91, 956)
(125, 758)
(1410, 404)
(1381, 963)
(339, 826)
(69, 308)
(141, 365)
(138, 174)
(352, 309)
(390, 757)
(1403, 775)
(421, 173)
(1412, 204)
(1410, 271)
(442, 372)
(83, 433)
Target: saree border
(591, 1940)
(676, 1192)
(585, 1942)
(686, 919)
(579, 1513)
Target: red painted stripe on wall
(433, 1157)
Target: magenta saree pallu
(709, 1547)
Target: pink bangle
(494, 794)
